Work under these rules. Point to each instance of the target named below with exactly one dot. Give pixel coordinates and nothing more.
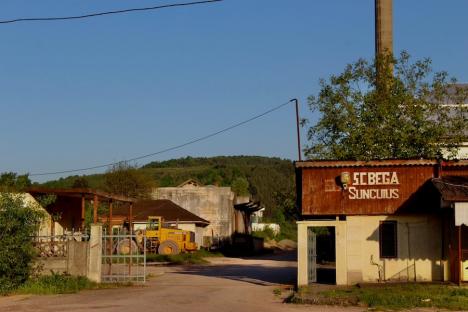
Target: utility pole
(383, 45)
(383, 27)
(298, 129)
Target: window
(388, 239)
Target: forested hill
(269, 180)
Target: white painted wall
(262, 226)
(358, 251)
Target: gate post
(302, 266)
(95, 253)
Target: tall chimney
(383, 27)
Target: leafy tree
(396, 114)
(240, 186)
(80, 182)
(19, 221)
(12, 182)
(127, 180)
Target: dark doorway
(322, 255)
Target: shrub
(56, 284)
(19, 221)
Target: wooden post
(130, 219)
(83, 207)
(459, 262)
(130, 228)
(110, 237)
(110, 217)
(95, 209)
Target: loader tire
(168, 248)
(126, 247)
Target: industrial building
(376, 221)
(226, 212)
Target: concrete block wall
(215, 204)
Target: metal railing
(123, 258)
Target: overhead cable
(193, 141)
(37, 19)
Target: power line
(35, 19)
(236, 125)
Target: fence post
(95, 253)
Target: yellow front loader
(165, 241)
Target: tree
(240, 186)
(397, 114)
(19, 221)
(124, 179)
(80, 182)
(12, 182)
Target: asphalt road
(228, 284)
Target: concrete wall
(82, 258)
(462, 152)
(45, 226)
(358, 252)
(75, 263)
(211, 203)
(419, 250)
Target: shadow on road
(283, 256)
(265, 270)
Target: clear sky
(82, 93)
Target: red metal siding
(322, 193)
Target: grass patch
(389, 296)
(196, 257)
(61, 284)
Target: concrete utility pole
(383, 27)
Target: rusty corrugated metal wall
(372, 190)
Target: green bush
(19, 222)
(56, 284)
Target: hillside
(265, 178)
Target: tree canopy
(19, 221)
(13, 182)
(124, 179)
(407, 111)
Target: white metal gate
(311, 255)
(122, 259)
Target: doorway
(321, 251)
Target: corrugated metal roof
(452, 188)
(375, 163)
(78, 192)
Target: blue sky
(82, 93)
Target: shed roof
(376, 163)
(78, 192)
(248, 207)
(452, 188)
(168, 210)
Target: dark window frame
(388, 251)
